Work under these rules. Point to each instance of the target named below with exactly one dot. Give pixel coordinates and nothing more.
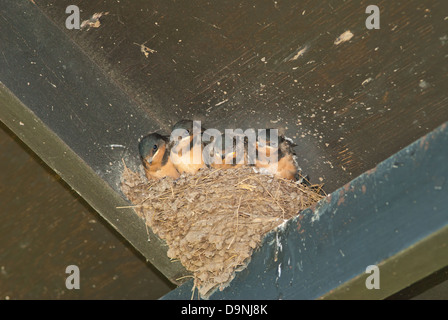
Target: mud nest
(212, 221)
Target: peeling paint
(93, 21)
(300, 53)
(346, 36)
(424, 143)
(366, 81)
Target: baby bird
(236, 158)
(186, 153)
(276, 156)
(155, 155)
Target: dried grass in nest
(212, 221)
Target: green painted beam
(86, 182)
(399, 271)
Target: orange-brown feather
(157, 170)
(185, 161)
(284, 168)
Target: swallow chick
(186, 153)
(235, 158)
(276, 157)
(154, 152)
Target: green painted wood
(68, 165)
(45, 227)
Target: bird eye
(154, 148)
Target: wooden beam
(348, 106)
(75, 119)
(45, 227)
